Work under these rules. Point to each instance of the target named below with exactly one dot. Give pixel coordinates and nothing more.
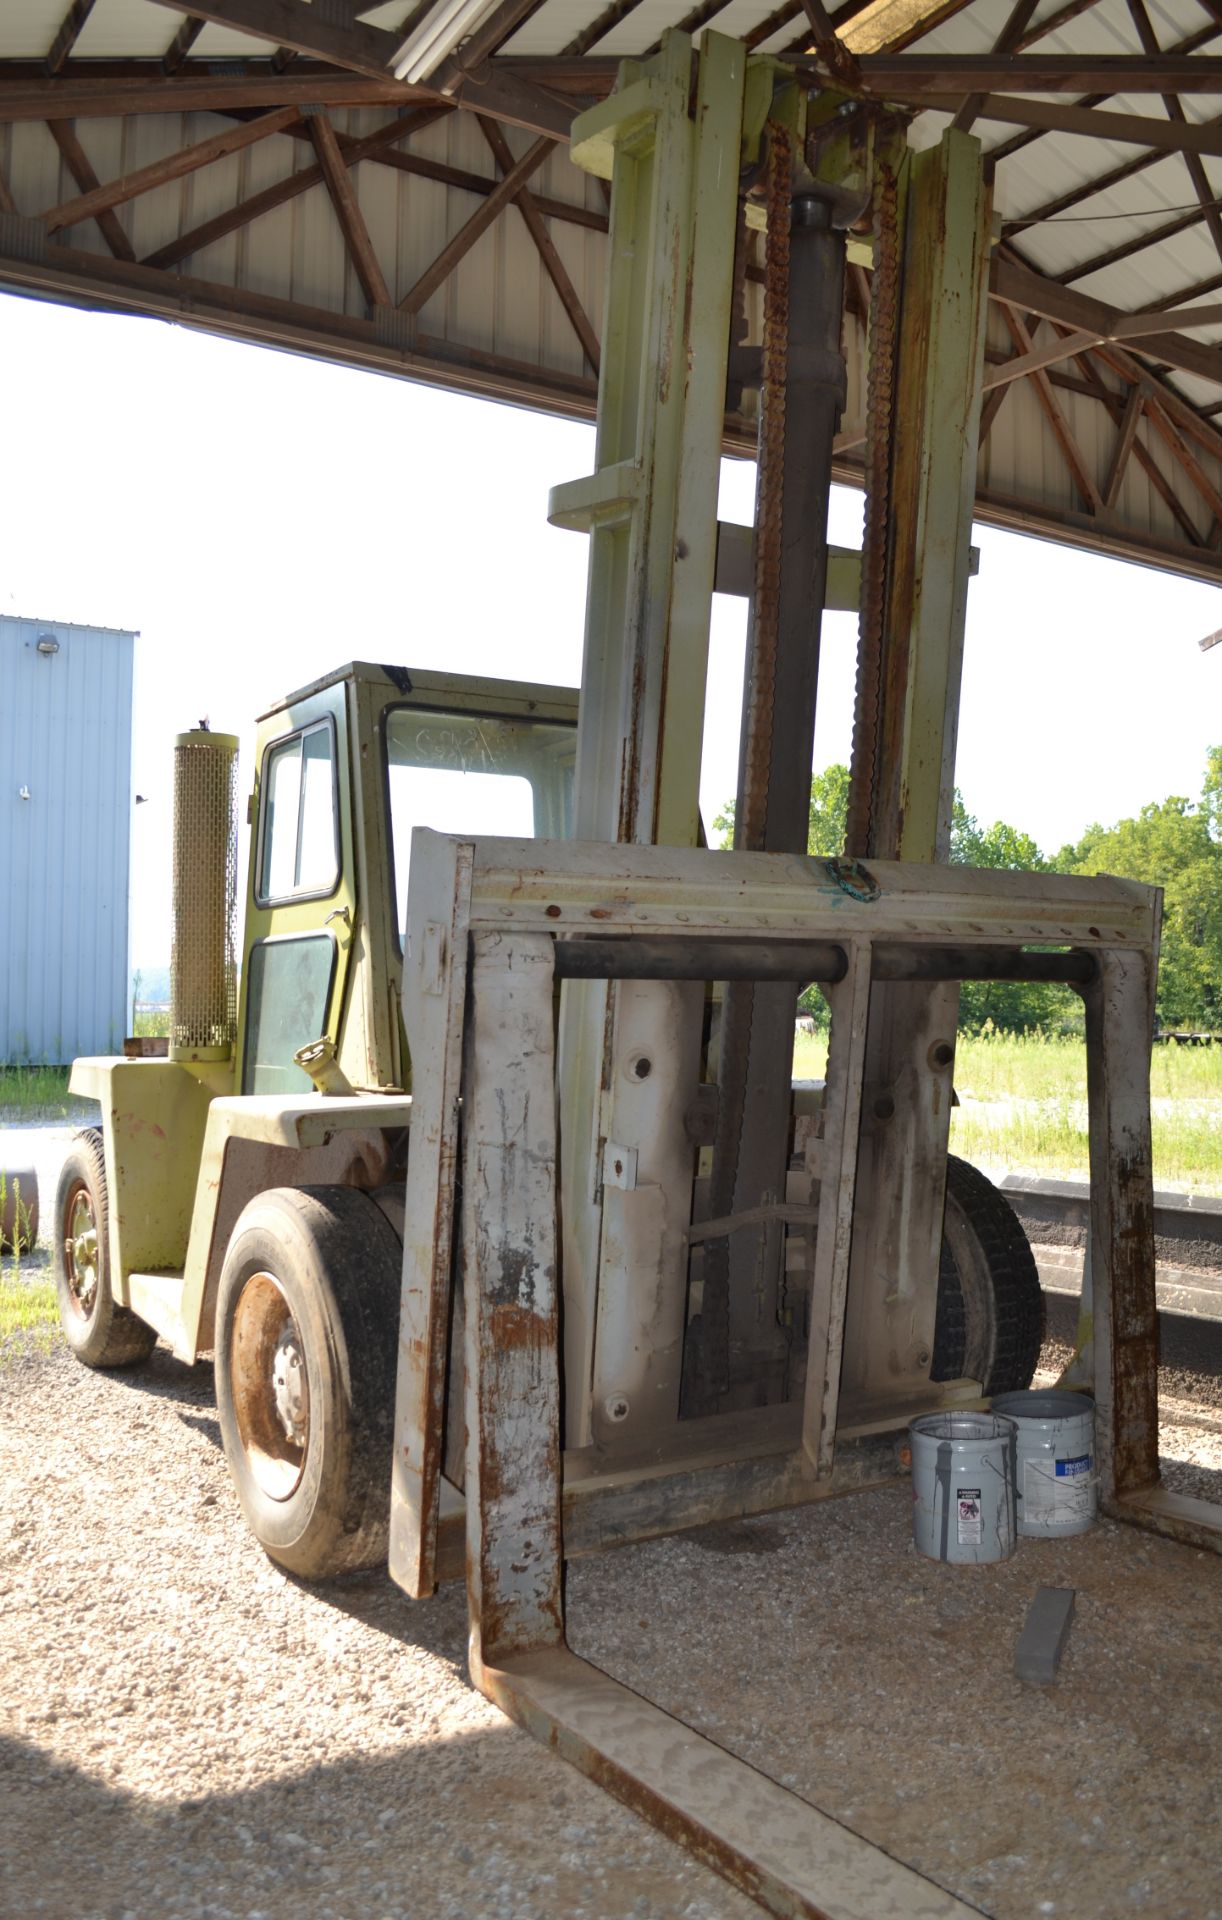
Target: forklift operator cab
(346, 769)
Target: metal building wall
(66, 742)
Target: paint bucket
(18, 1207)
(1058, 1491)
(963, 1486)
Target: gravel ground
(186, 1732)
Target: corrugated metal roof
(497, 322)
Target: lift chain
(765, 607)
(707, 1368)
(880, 398)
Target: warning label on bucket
(971, 1520)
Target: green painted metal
(650, 508)
(945, 214)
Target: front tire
(990, 1323)
(306, 1353)
(99, 1331)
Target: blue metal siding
(66, 738)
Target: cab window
(475, 774)
(299, 842)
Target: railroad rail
(1187, 1240)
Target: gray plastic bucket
(963, 1506)
(1058, 1490)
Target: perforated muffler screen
(203, 967)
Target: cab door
(302, 899)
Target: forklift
(491, 1191)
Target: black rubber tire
(334, 1262)
(99, 1332)
(990, 1323)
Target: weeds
(39, 1094)
(28, 1305)
(1024, 1105)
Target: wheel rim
(271, 1393)
(81, 1252)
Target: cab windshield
(468, 773)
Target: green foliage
(38, 1093)
(1173, 844)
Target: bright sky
(262, 518)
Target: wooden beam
(914, 76)
(1018, 286)
(598, 28)
(77, 162)
(1055, 417)
(180, 46)
(68, 34)
(1018, 141)
(7, 202)
(1007, 41)
(554, 265)
(1128, 327)
(92, 97)
(456, 249)
(1187, 459)
(304, 28)
(240, 215)
(173, 167)
(361, 252)
(1075, 196)
(1127, 129)
(1124, 445)
(1142, 454)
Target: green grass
(39, 1093)
(1024, 1106)
(28, 1308)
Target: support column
(904, 756)
(651, 512)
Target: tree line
(1175, 844)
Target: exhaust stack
(203, 967)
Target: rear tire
(99, 1331)
(990, 1323)
(306, 1354)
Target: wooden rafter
(611, 16)
(1017, 286)
(546, 247)
(173, 167)
(1007, 41)
(337, 174)
(1132, 327)
(304, 28)
(1125, 249)
(68, 34)
(1174, 111)
(102, 97)
(371, 147)
(1115, 404)
(918, 76)
(506, 189)
(1181, 452)
(1006, 148)
(77, 162)
(180, 46)
(1124, 443)
(1092, 123)
(1102, 183)
(1055, 416)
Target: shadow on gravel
(412, 1835)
